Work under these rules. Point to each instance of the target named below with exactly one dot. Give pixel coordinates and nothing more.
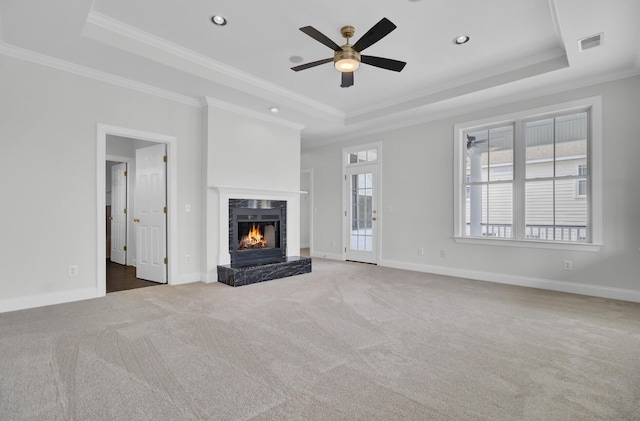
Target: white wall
(247, 152)
(48, 122)
(417, 181)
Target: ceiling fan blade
(347, 79)
(320, 37)
(384, 63)
(375, 34)
(312, 64)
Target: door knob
(374, 219)
(136, 219)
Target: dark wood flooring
(121, 278)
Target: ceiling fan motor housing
(347, 53)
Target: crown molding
(130, 32)
(76, 69)
(212, 102)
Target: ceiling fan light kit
(347, 58)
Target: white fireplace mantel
(229, 192)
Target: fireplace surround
(257, 240)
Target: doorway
(361, 203)
(136, 213)
(126, 143)
(306, 213)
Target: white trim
(98, 75)
(523, 281)
(225, 193)
(211, 102)
(330, 256)
(177, 51)
(102, 130)
(187, 278)
(51, 298)
(538, 244)
(594, 104)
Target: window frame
(593, 106)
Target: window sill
(537, 244)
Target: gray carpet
(346, 342)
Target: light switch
(187, 207)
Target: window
(530, 179)
(368, 155)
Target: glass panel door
(362, 214)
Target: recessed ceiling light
(274, 110)
(296, 59)
(461, 39)
(219, 20)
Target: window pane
(500, 215)
(539, 143)
(571, 144)
(539, 210)
(372, 155)
(501, 153)
(477, 156)
(362, 156)
(477, 215)
(352, 158)
(571, 212)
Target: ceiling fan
(347, 58)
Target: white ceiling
(518, 49)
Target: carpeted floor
(346, 342)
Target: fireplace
(257, 231)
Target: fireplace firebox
(257, 231)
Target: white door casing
(362, 213)
(150, 220)
(119, 213)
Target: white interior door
(119, 213)
(150, 219)
(362, 214)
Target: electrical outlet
(420, 251)
(333, 244)
(73, 270)
(187, 258)
(187, 207)
(443, 253)
(567, 265)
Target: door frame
(346, 197)
(311, 208)
(102, 130)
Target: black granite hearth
(250, 274)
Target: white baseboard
(187, 278)
(40, 300)
(323, 255)
(501, 278)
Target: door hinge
(345, 213)
(345, 177)
(345, 249)
(166, 261)
(124, 248)
(164, 158)
(126, 173)
(165, 209)
(124, 210)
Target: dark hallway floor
(121, 278)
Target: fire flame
(254, 239)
